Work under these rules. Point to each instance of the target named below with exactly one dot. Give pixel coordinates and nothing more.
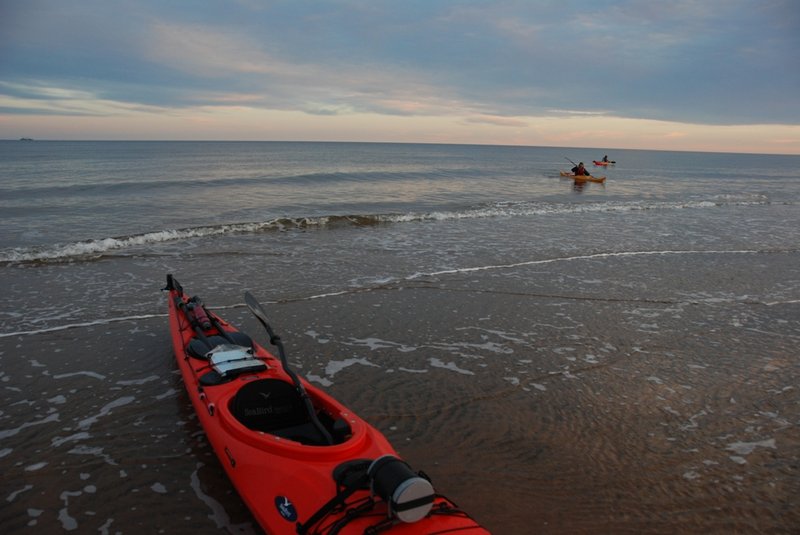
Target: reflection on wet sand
(540, 405)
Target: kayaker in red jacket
(580, 170)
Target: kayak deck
(300, 468)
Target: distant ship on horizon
(26, 139)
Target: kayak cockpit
(275, 406)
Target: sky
(702, 75)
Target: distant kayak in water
(583, 178)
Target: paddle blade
(257, 310)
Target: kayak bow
(301, 461)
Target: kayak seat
(274, 406)
(198, 349)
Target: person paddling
(580, 170)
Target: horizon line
(48, 140)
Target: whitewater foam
(93, 249)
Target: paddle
(261, 315)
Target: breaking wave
(96, 248)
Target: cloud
(498, 121)
(577, 112)
(208, 52)
(44, 100)
(252, 73)
(497, 63)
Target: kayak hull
(583, 178)
(285, 481)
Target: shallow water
(611, 360)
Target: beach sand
(623, 393)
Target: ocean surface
(559, 357)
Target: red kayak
(301, 461)
(597, 162)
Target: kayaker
(605, 158)
(580, 170)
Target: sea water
(559, 356)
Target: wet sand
(621, 394)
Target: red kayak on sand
(301, 461)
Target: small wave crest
(90, 249)
(94, 249)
